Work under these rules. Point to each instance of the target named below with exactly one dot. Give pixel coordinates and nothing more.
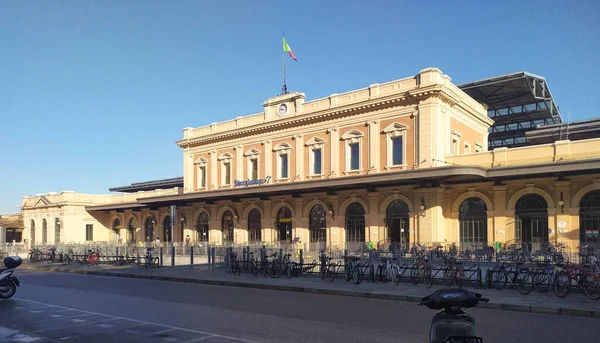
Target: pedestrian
(187, 240)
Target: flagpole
(284, 90)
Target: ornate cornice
(323, 115)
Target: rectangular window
(284, 166)
(454, 146)
(397, 151)
(89, 232)
(254, 166)
(227, 173)
(202, 177)
(467, 148)
(354, 156)
(478, 148)
(317, 169)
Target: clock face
(282, 109)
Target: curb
(312, 290)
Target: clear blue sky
(94, 94)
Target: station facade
(402, 162)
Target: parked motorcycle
(8, 282)
(451, 324)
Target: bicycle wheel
(591, 285)
(415, 273)
(524, 280)
(396, 275)
(541, 280)
(323, 271)
(331, 272)
(30, 258)
(562, 284)
(499, 278)
(148, 262)
(290, 269)
(357, 274)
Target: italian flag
(286, 48)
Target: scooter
(452, 325)
(8, 282)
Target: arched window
(167, 229)
(116, 227)
(131, 230)
(56, 230)
(150, 222)
(589, 219)
(254, 226)
(284, 224)
(531, 222)
(473, 224)
(227, 227)
(202, 228)
(44, 231)
(355, 223)
(396, 218)
(32, 233)
(318, 224)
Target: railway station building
(407, 161)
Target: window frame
(226, 161)
(350, 138)
(251, 156)
(282, 149)
(201, 175)
(455, 143)
(313, 144)
(89, 232)
(392, 131)
(467, 148)
(478, 147)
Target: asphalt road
(56, 307)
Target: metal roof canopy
(149, 185)
(517, 103)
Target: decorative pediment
(252, 152)
(352, 134)
(41, 202)
(224, 157)
(201, 160)
(282, 146)
(315, 141)
(393, 127)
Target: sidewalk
(575, 304)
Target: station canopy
(517, 103)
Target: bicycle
(93, 257)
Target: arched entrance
(589, 219)
(44, 231)
(355, 223)
(167, 229)
(317, 228)
(254, 226)
(531, 222)
(150, 222)
(201, 232)
(227, 227)
(32, 233)
(115, 230)
(56, 230)
(473, 224)
(284, 224)
(131, 230)
(398, 230)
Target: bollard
(208, 254)
(172, 256)
(345, 254)
(301, 258)
(192, 256)
(161, 256)
(244, 259)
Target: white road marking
(160, 332)
(199, 339)
(142, 322)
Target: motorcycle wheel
(7, 290)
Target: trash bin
(497, 246)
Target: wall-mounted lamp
(331, 211)
(561, 203)
(183, 218)
(422, 207)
